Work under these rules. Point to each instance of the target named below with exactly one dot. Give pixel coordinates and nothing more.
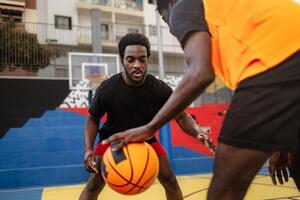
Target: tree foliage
(20, 49)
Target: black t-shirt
(186, 17)
(128, 106)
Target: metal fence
(26, 48)
(36, 46)
(37, 49)
(128, 4)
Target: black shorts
(265, 111)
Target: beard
(137, 79)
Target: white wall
(170, 43)
(46, 11)
(30, 20)
(149, 13)
(30, 15)
(84, 18)
(41, 8)
(62, 7)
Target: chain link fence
(41, 50)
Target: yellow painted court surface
(193, 188)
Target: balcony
(125, 7)
(13, 2)
(111, 33)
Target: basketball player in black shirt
(130, 99)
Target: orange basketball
(131, 170)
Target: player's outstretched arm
(189, 126)
(198, 76)
(279, 167)
(90, 132)
(141, 133)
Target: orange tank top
(251, 36)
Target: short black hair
(162, 4)
(133, 39)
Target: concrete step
(43, 176)
(42, 145)
(43, 132)
(195, 165)
(181, 152)
(59, 113)
(21, 160)
(57, 122)
(186, 161)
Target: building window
(10, 15)
(133, 30)
(62, 22)
(105, 31)
(152, 30)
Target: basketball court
(41, 156)
(193, 188)
(86, 72)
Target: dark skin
(282, 165)
(279, 167)
(136, 65)
(235, 174)
(198, 76)
(135, 69)
(147, 131)
(90, 133)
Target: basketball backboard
(94, 73)
(88, 70)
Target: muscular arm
(90, 132)
(199, 75)
(188, 124)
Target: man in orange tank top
(253, 45)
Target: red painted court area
(209, 116)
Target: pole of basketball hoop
(160, 48)
(166, 140)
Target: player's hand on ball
(90, 161)
(141, 133)
(279, 167)
(204, 139)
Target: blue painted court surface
(193, 188)
(43, 161)
(49, 151)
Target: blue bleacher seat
(49, 151)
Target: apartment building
(18, 10)
(67, 24)
(71, 25)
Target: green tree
(20, 49)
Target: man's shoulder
(151, 77)
(112, 79)
(155, 80)
(158, 83)
(187, 17)
(109, 82)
